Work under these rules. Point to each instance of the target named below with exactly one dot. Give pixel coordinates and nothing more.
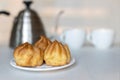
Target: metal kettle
(27, 27)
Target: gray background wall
(77, 13)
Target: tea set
(28, 26)
(102, 38)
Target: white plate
(44, 67)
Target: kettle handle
(27, 3)
(4, 12)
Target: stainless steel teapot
(27, 27)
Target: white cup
(74, 38)
(101, 38)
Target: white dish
(44, 67)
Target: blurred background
(77, 13)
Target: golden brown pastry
(28, 56)
(43, 43)
(57, 54)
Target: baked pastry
(28, 56)
(57, 54)
(43, 43)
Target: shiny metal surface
(27, 27)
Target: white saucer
(44, 67)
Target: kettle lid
(27, 3)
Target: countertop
(91, 64)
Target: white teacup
(101, 38)
(74, 38)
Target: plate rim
(13, 64)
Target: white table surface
(91, 64)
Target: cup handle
(89, 37)
(62, 37)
